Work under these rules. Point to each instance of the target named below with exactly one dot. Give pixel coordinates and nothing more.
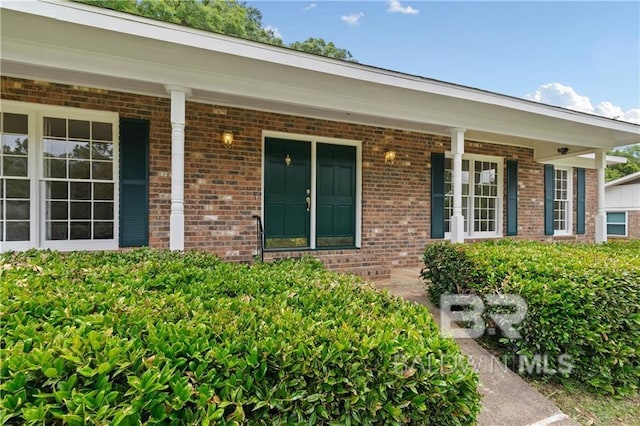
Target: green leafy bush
(447, 270)
(167, 338)
(583, 300)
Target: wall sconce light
(389, 156)
(563, 150)
(227, 139)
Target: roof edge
(250, 49)
(623, 179)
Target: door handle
(308, 200)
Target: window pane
(103, 230)
(54, 148)
(55, 169)
(56, 127)
(18, 231)
(80, 210)
(79, 129)
(14, 166)
(15, 123)
(79, 150)
(103, 211)
(617, 217)
(18, 188)
(57, 210)
(57, 231)
(57, 190)
(17, 210)
(616, 229)
(102, 131)
(80, 231)
(80, 190)
(16, 145)
(79, 169)
(103, 191)
(102, 151)
(102, 170)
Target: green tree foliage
(320, 47)
(632, 154)
(221, 16)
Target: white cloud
(564, 96)
(309, 7)
(352, 19)
(274, 30)
(396, 7)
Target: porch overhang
(82, 45)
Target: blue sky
(582, 55)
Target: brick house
(113, 127)
(622, 204)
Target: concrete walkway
(506, 398)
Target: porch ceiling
(81, 45)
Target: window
(617, 224)
(562, 210)
(59, 174)
(15, 183)
(481, 195)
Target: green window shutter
(512, 197)
(437, 195)
(580, 204)
(549, 187)
(134, 183)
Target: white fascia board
(404, 106)
(143, 27)
(612, 160)
(585, 161)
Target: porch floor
(506, 398)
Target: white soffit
(78, 44)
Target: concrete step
(374, 273)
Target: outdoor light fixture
(227, 139)
(563, 150)
(389, 157)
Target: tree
(632, 154)
(320, 47)
(221, 16)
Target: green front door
(336, 200)
(287, 187)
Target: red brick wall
(223, 186)
(633, 224)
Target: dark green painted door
(287, 187)
(336, 196)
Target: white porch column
(176, 220)
(601, 217)
(457, 220)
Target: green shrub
(447, 270)
(167, 338)
(583, 301)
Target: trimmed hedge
(165, 338)
(583, 301)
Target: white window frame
(569, 214)
(314, 140)
(626, 224)
(469, 221)
(36, 113)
